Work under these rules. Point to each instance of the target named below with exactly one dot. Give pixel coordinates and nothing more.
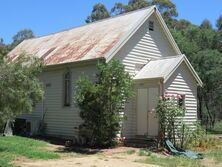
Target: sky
(48, 16)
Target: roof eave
(148, 79)
(184, 59)
(128, 35)
(167, 32)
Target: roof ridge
(98, 21)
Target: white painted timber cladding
(145, 45)
(129, 126)
(183, 82)
(141, 47)
(60, 121)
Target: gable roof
(164, 68)
(95, 40)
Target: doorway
(147, 123)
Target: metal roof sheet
(160, 68)
(90, 41)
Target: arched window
(67, 89)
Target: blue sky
(47, 16)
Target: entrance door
(153, 124)
(142, 99)
(147, 123)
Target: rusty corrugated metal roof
(81, 43)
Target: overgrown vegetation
(14, 147)
(101, 103)
(212, 153)
(171, 161)
(217, 129)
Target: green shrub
(169, 114)
(101, 103)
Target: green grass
(216, 155)
(212, 152)
(217, 129)
(171, 161)
(13, 147)
(130, 152)
(144, 152)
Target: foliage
(132, 5)
(14, 147)
(217, 129)
(99, 12)
(168, 113)
(219, 23)
(144, 152)
(137, 4)
(208, 63)
(197, 135)
(4, 49)
(215, 154)
(203, 48)
(20, 88)
(196, 138)
(130, 152)
(21, 36)
(206, 24)
(166, 8)
(184, 134)
(101, 103)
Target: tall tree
(206, 24)
(166, 8)
(21, 36)
(208, 64)
(99, 12)
(20, 87)
(1, 41)
(132, 5)
(137, 4)
(219, 23)
(119, 8)
(4, 49)
(218, 41)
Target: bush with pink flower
(170, 115)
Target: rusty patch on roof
(91, 41)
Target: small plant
(144, 152)
(130, 152)
(120, 141)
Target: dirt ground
(105, 158)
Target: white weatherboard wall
(60, 120)
(141, 47)
(129, 126)
(183, 82)
(145, 45)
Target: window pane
(67, 89)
